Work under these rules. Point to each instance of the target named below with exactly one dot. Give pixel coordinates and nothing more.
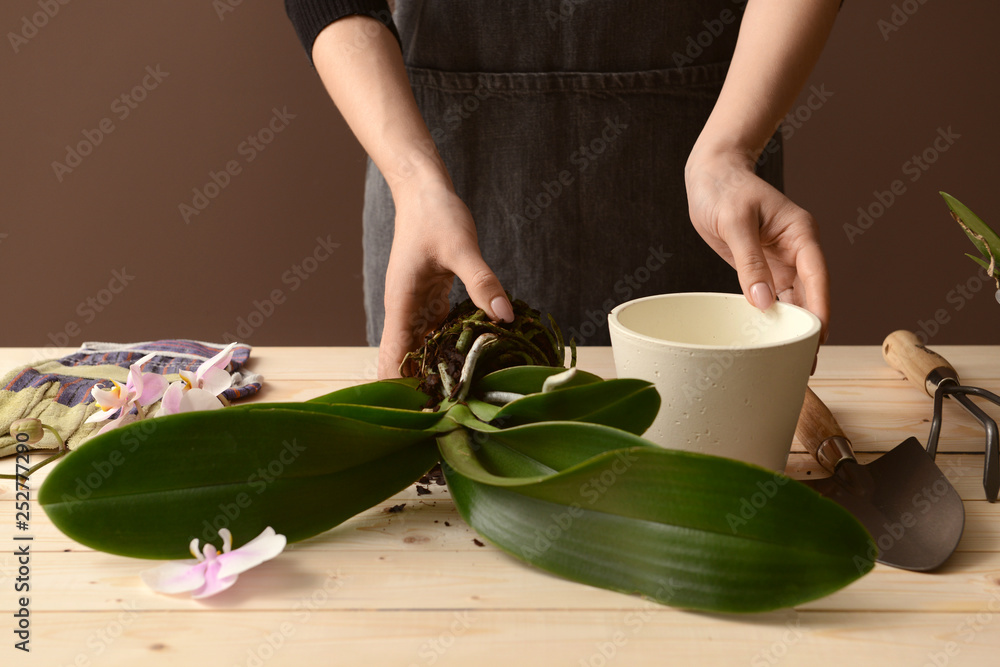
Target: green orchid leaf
(147, 489)
(982, 236)
(527, 379)
(401, 394)
(482, 410)
(628, 404)
(529, 454)
(981, 262)
(392, 417)
(683, 529)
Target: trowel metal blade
(904, 500)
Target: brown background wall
(222, 78)
(893, 91)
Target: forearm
(778, 45)
(361, 66)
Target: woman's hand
(771, 242)
(435, 240)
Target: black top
(310, 16)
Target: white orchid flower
(199, 390)
(141, 389)
(213, 572)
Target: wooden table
(414, 588)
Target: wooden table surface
(414, 588)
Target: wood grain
(903, 351)
(641, 635)
(413, 588)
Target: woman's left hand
(771, 242)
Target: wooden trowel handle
(924, 368)
(820, 433)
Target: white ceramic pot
(731, 377)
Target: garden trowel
(913, 513)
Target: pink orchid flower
(199, 390)
(140, 390)
(213, 572)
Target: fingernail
(761, 295)
(501, 308)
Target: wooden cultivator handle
(924, 368)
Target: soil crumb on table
(434, 476)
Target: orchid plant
(522, 443)
(982, 236)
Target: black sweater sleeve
(310, 16)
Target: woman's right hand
(435, 238)
(434, 241)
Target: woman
(563, 149)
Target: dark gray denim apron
(565, 126)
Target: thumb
(751, 266)
(484, 287)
